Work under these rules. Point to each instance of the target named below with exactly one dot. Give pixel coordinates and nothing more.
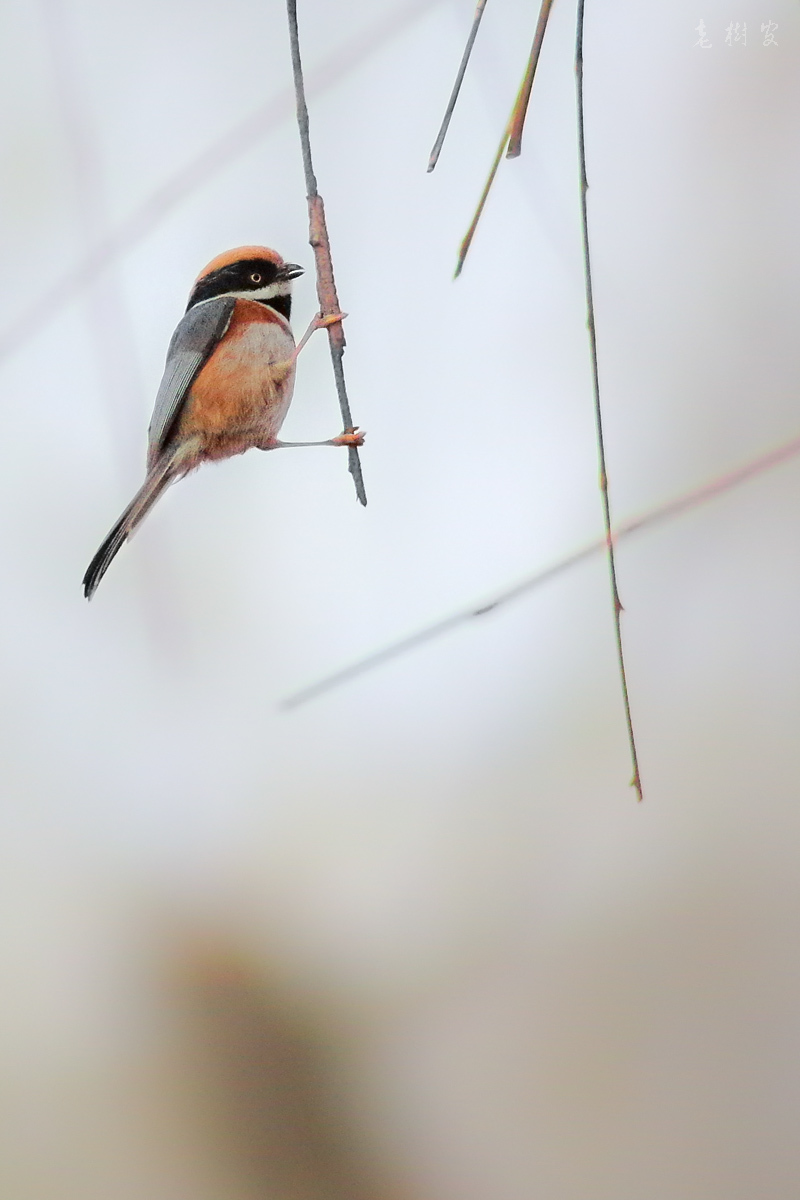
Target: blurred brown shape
(275, 1110)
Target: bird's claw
(322, 322)
(350, 437)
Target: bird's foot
(350, 437)
(321, 322)
(317, 322)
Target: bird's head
(249, 273)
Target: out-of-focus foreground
(415, 940)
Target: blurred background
(414, 940)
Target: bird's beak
(290, 271)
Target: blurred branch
(240, 138)
(636, 781)
(656, 516)
(442, 134)
(320, 243)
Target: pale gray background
(415, 940)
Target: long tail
(159, 478)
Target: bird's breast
(242, 393)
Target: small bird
(227, 382)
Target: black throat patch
(281, 304)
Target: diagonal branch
(523, 99)
(636, 781)
(319, 241)
(463, 249)
(656, 516)
(442, 134)
(511, 141)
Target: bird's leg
(319, 322)
(350, 437)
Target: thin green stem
(636, 781)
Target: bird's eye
(255, 277)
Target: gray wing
(192, 343)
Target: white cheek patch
(268, 292)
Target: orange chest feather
(248, 380)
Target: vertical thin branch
(473, 33)
(598, 416)
(320, 243)
(521, 107)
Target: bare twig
(511, 141)
(463, 249)
(473, 33)
(521, 107)
(34, 319)
(318, 238)
(636, 781)
(656, 516)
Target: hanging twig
(656, 516)
(511, 141)
(473, 33)
(636, 781)
(463, 249)
(318, 239)
(521, 107)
